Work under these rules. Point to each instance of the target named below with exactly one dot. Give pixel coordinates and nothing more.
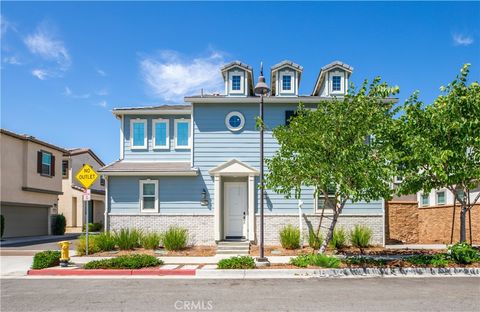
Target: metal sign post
(86, 176)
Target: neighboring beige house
(30, 183)
(71, 202)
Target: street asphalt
(380, 294)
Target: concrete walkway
(31, 240)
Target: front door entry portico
(235, 208)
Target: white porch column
(216, 208)
(251, 208)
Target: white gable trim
(233, 167)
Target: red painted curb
(84, 272)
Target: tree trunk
(330, 231)
(463, 231)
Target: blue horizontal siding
(151, 154)
(176, 195)
(214, 144)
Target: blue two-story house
(197, 165)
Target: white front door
(235, 209)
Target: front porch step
(233, 247)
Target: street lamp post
(262, 89)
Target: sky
(65, 65)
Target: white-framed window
(424, 199)
(337, 83)
(236, 79)
(440, 197)
(149, 195)
(326, 202)
(236, 82)
(286, 82)
(138, 133)
(161, 136)
(234, 121)
(460, 195)
(398, 179)
(182, 133)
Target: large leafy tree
(337, 146)
(438, 145)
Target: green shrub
(320, 260)
(290, 237)
(93, 227)
(360, 236)
(92, 245)
(127, 239)
(105, 241)
(175, 238)
(437, 260)
(241, 262)
(59, 224)
(339, 239)
(125, 262)
(314, 240)
(463, 253)
(2, 225)
(46, 259)
(150, 240)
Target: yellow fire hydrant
(64, 257)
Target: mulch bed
(196, 251)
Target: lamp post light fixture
(261, 89)
(204, 199)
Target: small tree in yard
(338, 146)
(439, 144)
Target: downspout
(107, 206)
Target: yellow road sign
(86, 176)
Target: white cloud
(171, 77)
(102, 104)
(462, 40)
(44, 44)
(12, 60)
(102, 92)
(101, 72)
(40, 74)
(69, 93)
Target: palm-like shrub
(105, 241)
(150, 240)
(290, 237)
(127, 239)
(339, 239)
(175, 238)
(360, 236)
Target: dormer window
(236, 86)
(336, 83)
(287, 82)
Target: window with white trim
(336, 83)
(460, 195)
(138, 134)
(440, 197)
(149, 195)
(161, 137)
(182, 133)
(424, 200)
(326, 202)
(236, 83)
(286, 82)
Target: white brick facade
(274, 223)
(201, 227)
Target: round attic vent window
(234, 121)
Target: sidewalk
(32, 240)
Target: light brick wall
(200, 227)
(274, 223)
